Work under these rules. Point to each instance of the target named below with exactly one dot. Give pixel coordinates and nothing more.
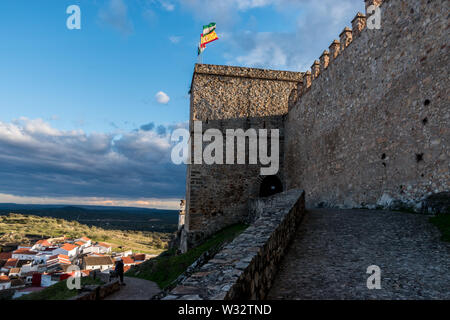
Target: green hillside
(25, 229)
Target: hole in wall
(426, 102)
(383, 156)
(384, 164)
(422, 175)
(269, 186)
(419, 157)
(425, 120)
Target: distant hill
(118, 218)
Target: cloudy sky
(86, 115)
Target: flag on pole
(209, 28)
(209, 35)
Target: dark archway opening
(269, 186)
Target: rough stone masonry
(368, 127)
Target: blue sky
(86, 115)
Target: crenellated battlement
(337, 47)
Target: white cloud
(175, 39)
(169, 204)
(162, 98)
(167, 5)
(318, 23)
(37, 160)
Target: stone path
(135, 289)
(329, 257)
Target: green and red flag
(209, 35)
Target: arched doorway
(269, 186)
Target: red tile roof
(68, 246)
(59, 256)
(5, 255)
(80, 243)
(85, 239)
(24, 251)
(4, 279)
(10, 263)
(127, 260)
(43, 242)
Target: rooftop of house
(127, 260)
(59, 256)
(14, 270)
(98, 261)
(43, 242)
(25, 251)
(80, 243)
(5, 255)
(4, 279)
(17, 282)
(68, 246)
(10, 263)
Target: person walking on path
(119, 270)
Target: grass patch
(166, 268)
(442, 222)
(59, 291)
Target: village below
(30, 263)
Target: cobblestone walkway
(333, 248)
(135, 289)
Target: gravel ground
(329, 257)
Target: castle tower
(231, 98)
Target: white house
(97, 263)
(91, 249)
(68, 249)
(87, 242)
(104, 247)
(14, 272)
(5, 283)
(57, 260)
(41, 245)
(24, 254)
(28, 268)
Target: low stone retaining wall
(98, 292)
(246, 267)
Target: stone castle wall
(246, 268)
(372, 126)
(231, 98)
